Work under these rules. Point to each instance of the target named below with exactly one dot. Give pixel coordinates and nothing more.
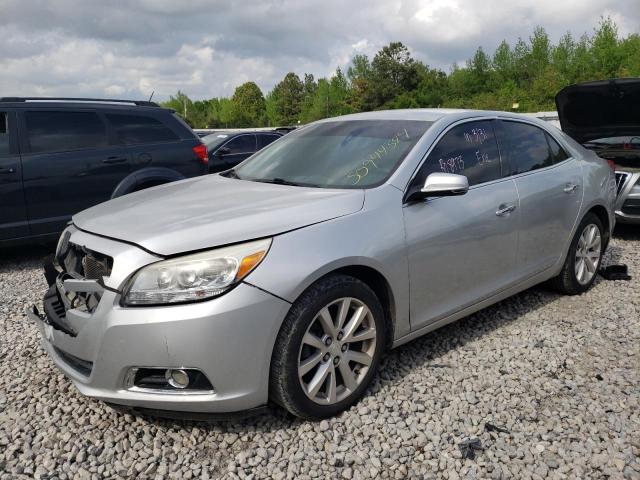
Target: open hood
(206, 212)
(607, 108)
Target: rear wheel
(328, 348)
(584, 257)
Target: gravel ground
(538, 386)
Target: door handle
(115, 160)
(570, 187)
(505, 209)
(7, 171)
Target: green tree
(288, 96)
(249, 109)
(394, 71)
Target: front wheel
(584, 257)
(328, 348)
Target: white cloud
(208, 47)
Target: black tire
(285, 385)
(567, 282)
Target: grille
(83, 263)
(621, 179)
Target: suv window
(265, 139)
(136, 129)
(529, 147)
(557, 152)
(60, 131)
(242, 144)
(4, 135)
(468, 149)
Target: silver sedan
(287, 277)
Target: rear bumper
(229, 339)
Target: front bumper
(628, 201)
(230, 339)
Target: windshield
(214, 140)
(341, 154)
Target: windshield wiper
(282, 181)
(230, 174)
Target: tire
(568, 281)
(303, 353)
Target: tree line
(523, 77)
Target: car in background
(59, 156)
(228, 148)
(345, 238)
(604, 116)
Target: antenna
(151, 96)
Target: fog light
(177, 378)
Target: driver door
(461, 249)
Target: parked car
(228, 149)
(604, 116)
(342, 239)
(61, 156)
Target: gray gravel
(558, 376)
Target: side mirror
(442, 185)
(223, 151)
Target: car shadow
(627, 232)
(10, 257)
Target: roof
(76, 102)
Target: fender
(146, 175)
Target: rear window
(61, 131)
(529, 147)
(136, 129)
(265, 139)
(4, 135)
(557, 152)
(242, 144)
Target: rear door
(152, 142)
(461, 249)
(68, 165)
(13, 211)
(549, 184)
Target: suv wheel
(583, 260)
(328, 348)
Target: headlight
(194, 277)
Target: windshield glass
(214, 140)
(341, 154)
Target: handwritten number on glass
(378, 154)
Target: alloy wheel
(337, 351)
(588, 253)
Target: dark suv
(61, 156)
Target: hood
(205, 212)
(607, 108)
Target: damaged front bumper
(229, 339)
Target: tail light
(612, 164)
(201, 153)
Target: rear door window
(529, 148)
(265, 139)
(4, 134)
(60, 131)
(137, 129)
(557, 152)
(468, 149)
(242, 144)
